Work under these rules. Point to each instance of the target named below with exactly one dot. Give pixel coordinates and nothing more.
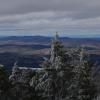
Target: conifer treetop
(54, 41)
(56, 36)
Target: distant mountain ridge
(44, 39)
(26, 38)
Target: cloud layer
(47, 16)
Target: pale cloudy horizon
(73, 18)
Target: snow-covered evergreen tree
(84, 87)
(87, 88)
(58, 73)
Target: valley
(29, 51)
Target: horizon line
(62, 36)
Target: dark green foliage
(22, 92)
(4, 84)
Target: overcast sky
(76, 18)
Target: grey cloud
(78, 7)
(49, 15)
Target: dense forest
(66, 75)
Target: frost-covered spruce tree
(75, 58)
(87, 87)
(83, 84)
(58, 73)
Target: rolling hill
(30, 50)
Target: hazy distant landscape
(29, 50)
